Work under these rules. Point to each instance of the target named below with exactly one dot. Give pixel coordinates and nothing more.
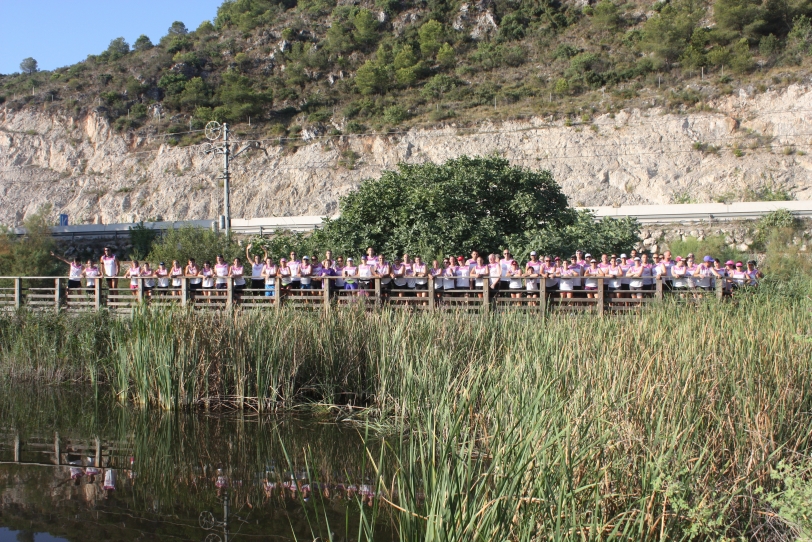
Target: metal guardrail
(703, 212)
(645, 214)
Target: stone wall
(739, 235)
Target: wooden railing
(52, 294)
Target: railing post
(57, 451)
(98, 452)
(57, 293)
(184, 291)
(431, 293)
(17, 448)
(97, 294)
(326, 285)
(542, 294)
(277, 292)
(18, 292)
(229, 292)
(140, 296)
(486, 295)
(659, 292)
(720, 288)
(377, 291)
(600, 296)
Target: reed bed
(661, 424)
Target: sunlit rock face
(82, 167)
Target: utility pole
(213, 132)
(226, 178)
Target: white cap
(533, 253)
(622, 255)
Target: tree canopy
(29, 65)
(480, 203)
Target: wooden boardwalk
(51, 294)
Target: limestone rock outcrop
(81, 166)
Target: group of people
(579, 274)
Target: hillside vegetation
(286, 68)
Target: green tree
(172, 83)
(739, 18)
(768, 45)
(177, 29)
(118, 48)
(239, 98)
(366, 27)
(799, 40)
(339, 39)
(30, 255)
(606, 16)
(741, 60)
(446, 56)
(205, 28)
(406, 76)
(405, 58)
(585, 233)
(463, 204)
(669, 33)
(371, 78)
(143, 43)
(190, 242)
(430, 37)
(29, 66)
(195, 93)
(134, 88)
(141, 239)
(439, 85)
(692, 58)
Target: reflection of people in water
(92, 471)
(76, 470)
(131, 474)
(109, 480)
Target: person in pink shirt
(532, 270)
(591, 284)
(480, 273)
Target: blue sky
(62, 32)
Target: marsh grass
(661, 424)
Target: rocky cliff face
(82, 167)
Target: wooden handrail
(327, 293)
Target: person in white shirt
(110, 267)
(91, 272)
(295, 267)
(504, 263)
(515, 280)
(257, 266)
(75, 271)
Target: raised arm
(60, 258)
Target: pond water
(74, 467)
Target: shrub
(439, 85)
(371, 78)
(713, 245)
(190, 242)
(395, 114)
(446, 56)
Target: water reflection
(76, 467)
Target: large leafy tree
(464, 204)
